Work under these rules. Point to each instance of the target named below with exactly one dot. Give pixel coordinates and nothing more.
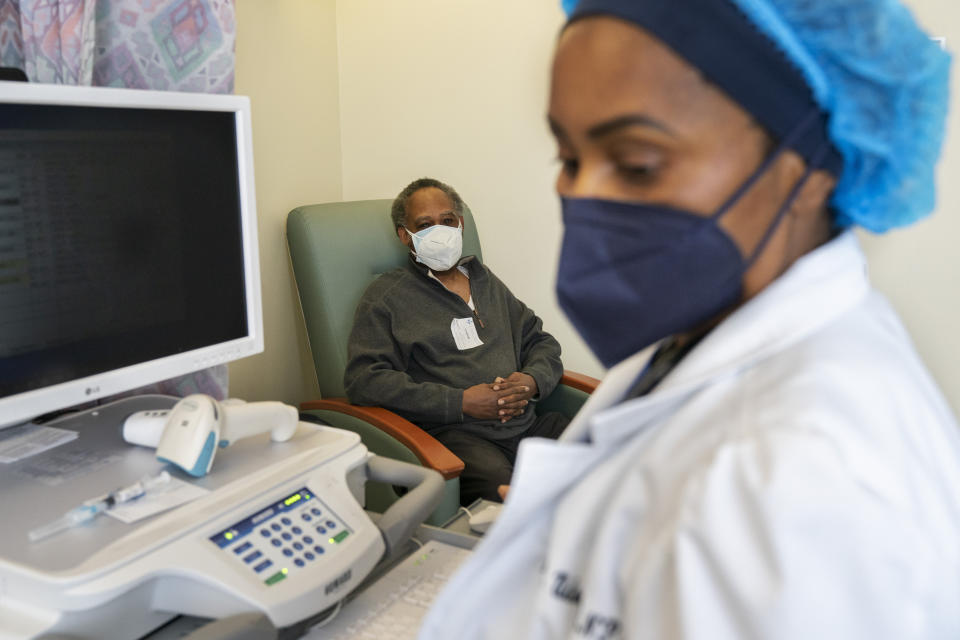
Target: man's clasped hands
(504, 398)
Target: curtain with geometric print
(181, 45)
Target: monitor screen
(126, 221)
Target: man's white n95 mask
(439, 247)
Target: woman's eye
(637, 173)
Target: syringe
(90, 509)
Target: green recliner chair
(337, 250)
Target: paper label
(175, 494)
(17, 443)
(465, 333)
(58, 467)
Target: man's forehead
(429, 201)
(431, 195)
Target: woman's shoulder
(862, 366)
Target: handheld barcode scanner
(189, 434)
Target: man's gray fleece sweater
(402, 354)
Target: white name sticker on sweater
(465, 333)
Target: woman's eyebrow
(609, 126)
(628, 120)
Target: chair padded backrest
(337, 250)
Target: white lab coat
(797, 476)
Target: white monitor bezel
(25, 406)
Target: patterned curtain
(11, 40)
(56, 39)
(182, 45)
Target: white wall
(458, 91)
(287, 64)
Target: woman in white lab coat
(767, 457)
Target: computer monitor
(128, 241)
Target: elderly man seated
(444, 343)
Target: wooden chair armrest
(428, 449)
(579, 381)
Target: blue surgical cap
(880, 81)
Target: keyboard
(393, 607)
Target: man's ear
(404, 238)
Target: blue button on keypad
(287, 552)
(306, 517)
(318, 549)
(315, 511)
(309, 556)
(276, 542)
(265, 533)
(297, 530)
(308, 539)
(263, 565)
(253, 556)
(285, 521)
(321, 530)
(331, 524)
(297, 546)
(286, 535)
(276, 526)
(243, 547)
(299, 562)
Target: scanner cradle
(188, 435)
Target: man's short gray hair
(398, 212)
